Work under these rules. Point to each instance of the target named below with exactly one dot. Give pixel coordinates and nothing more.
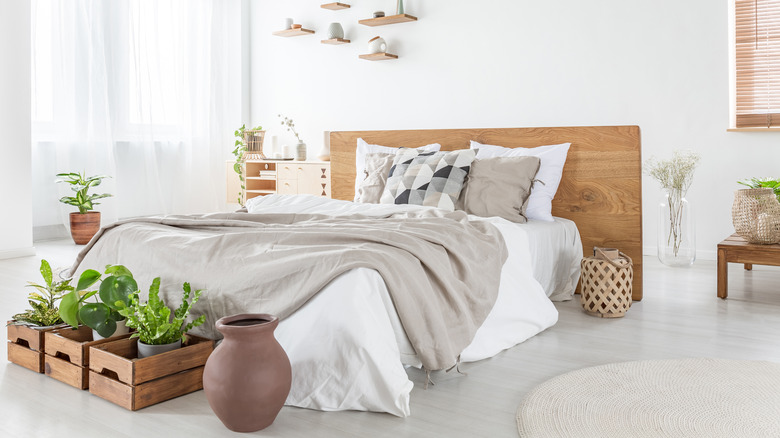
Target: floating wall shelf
(335, 41)
(378, 57)
(335, 6)
(392, 19)
(293, 32)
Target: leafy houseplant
(85, 223)
(758, 183)
(240, 153)
(154, 323)
(44, 310)
(102, 316)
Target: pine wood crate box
(67, 354)
(117, 375)
(26, 346)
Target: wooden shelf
(336, 41)
(261, 178)
(293, 32)
(335, 6)
(265, 192)
(378, 56)
(392, 19)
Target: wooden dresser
(265, 177)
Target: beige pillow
(376, 171)
(500, 187)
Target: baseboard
(700, 254)
(19, 252)
(50, 232)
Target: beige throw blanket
(442, 271)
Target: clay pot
(248, 376)
(84, 226)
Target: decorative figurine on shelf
(300, 148)
(377, 45)
(400, 10)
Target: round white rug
(659, 398)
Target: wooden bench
(736, 250)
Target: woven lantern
(605, 284)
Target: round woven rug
(659, 398)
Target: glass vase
(676, 230)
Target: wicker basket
(606, 285)
(756, 215)
(253, 139)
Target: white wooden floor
(679, 317)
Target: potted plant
(101, 316)
(760, 183)
(43, 302)
(85, 223)
(242, 147)
(300, 148)
(157, 329)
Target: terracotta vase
(248, 376)
(84, 226)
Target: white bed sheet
(345, 343)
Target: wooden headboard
(601, 188)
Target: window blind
(758, 63)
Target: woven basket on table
(253, 139)
(756, 215)
(606, 285)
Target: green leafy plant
(153, 321)
(240, 153)
(81, 185)
(44, 310)
(757, 183)
(102, 315)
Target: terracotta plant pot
(84, 226)
(248, 376)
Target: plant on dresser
(85, 223)
(157, 329)
(239, 152)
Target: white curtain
(146, 91)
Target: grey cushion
(499, 187)
(432, 179)
(377, 169)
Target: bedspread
(442, 270)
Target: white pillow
(552, 160)
(364, 149)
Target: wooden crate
(26, 346)
(117, 375)
(67, 354)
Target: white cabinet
(283, 177)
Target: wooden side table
(736, 250)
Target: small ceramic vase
(400, 10)
(288, 22)
(300, 151)
(335, 31)
(147, 350)
(377, 45)
(248, 376)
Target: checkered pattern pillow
(433, 179)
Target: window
(757, 66)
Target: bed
(348, 345)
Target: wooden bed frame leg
(723, 275)
(748, 266)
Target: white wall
(15, 157)
(659, 64)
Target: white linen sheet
(345, 343)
